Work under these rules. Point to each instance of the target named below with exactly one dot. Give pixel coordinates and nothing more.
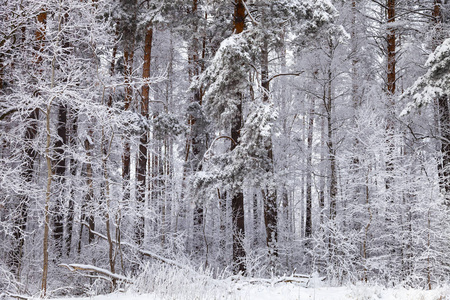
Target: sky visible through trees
(251, 137)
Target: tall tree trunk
(391, 48)
(1, 71)
(390, 85)
(40, 38)
(270, 192)
(332, 160)
(89, 197)
(321, 190)
(354, 49)
(444, 112)
(20, 222)
(73, 165)
(444, 165)
(237, 202)
(391, 39)
(195, 142)
(330, 145)
(142, 156)
(87, 207)
(106, 148)
(60, 180)
(391, 81)
(308, 225)
(367, 227)
(47, 202)
(128, 55)
(61, 164)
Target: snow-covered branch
(90, 268)
(144, 252)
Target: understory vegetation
(153, 144)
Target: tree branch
(78, 267)
(143, 252)
(250, 14)
(284, 74)
(15, 296)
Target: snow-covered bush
(168, 282)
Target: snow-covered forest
(141, 139)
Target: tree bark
(128, 55)
(237, 202)
(89, 197)
(269, 193)
(194, 143)
(73, 165)
(60, 178)
(330, 145)
(308, 225)
(391, 48)
(40, 38)
(143, 141)
(47, 197)
(444, 112)
(20, 223)
(444, 166)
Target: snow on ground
(288, 291)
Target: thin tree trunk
(1, 71)
(237, 203)
(73, 170)
(40, 38)
(308, 226)
(20, 223)
(88, 205)
(331, 150)
(47, 204)
(112, 67)
(111, 248)
(222, 198)
(321, 192)
(429, 249)
(332, 159)
(354, 45)
(366, 228)
(89, 198)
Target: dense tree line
(248, 136)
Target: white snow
(288, 291)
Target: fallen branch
(144, 252)
(303, 280)
(109, 275)
(15, 296)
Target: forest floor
(284, 291)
